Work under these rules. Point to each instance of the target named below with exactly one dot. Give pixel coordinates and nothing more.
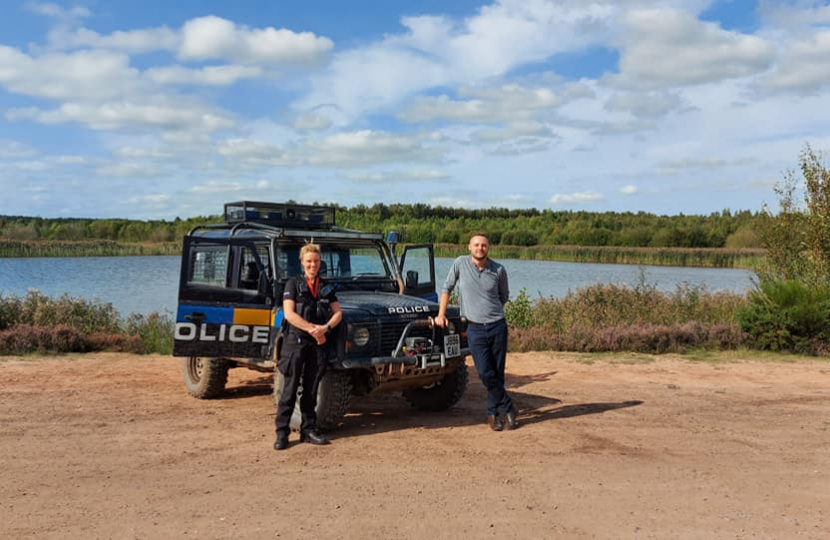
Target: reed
(701, 257)
(93, 248)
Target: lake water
(145, 284)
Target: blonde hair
(310, 248)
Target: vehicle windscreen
(339, 261)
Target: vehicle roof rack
(280, 214)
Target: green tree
(798, 239)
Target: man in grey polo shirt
(483, 290)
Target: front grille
(391, 332)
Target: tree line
(419, 223)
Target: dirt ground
(111, 446)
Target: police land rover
(230, 314)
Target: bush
(154, 332)
(788, 315)
(618, 318)
(26, 338)
(66, 324)
(519, 312)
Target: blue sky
(148, 109)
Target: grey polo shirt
(483, 294)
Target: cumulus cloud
(438, 51)
(804, 65)
(649, 105)
(208, 75)
(254, 152)
(15, 149)
(576, 198)
(82, 75)
(629, 190)
(127, 170)
(668, 47)
(211, 38)
(312, 121)
(133, 41)
(510, 102)
(368, 147)
(391, 177)
(49, 9)
(126, 115)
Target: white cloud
(212, 37)
(367, 147)
(50, 9)
(134, 41)
(208, 75)
(508, 103)
(254, 152)
(154, 199)
(15, 149)
(436, 51)
(223, 187)
(406, 176)
(311, 121)
(82, 75)
(667, 47)
(629, 190)
(126, 115)
(804, 65)
(522, 145)
(649, 105)
(576, 198)
(127, 170)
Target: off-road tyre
(333, 397)
(441, 395)
(205, 378)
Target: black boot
(313, 437)
(282, 441)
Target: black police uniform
(301, 360)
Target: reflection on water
(145, 284)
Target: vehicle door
(226, 300)
(417, 267)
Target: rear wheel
(333, 397)
(205, 378)
(441, 395)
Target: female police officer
(312, 310)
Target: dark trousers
(300, 364)
(488, 345)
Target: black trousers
(303, 364)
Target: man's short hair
(480, 234)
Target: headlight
(450, 327)
(360, 336)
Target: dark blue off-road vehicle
(230, 312)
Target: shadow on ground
(379, 413)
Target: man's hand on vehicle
(440, 320)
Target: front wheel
(333, 397)
(441, 395)
(205, 378)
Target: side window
(248, 270)
(288, 262)
(417, 268)
(208, 265)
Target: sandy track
(110, 446)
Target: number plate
(452, 345)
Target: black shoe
(495, 422)
(313, 437)
(282, 441)
(512, 420)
